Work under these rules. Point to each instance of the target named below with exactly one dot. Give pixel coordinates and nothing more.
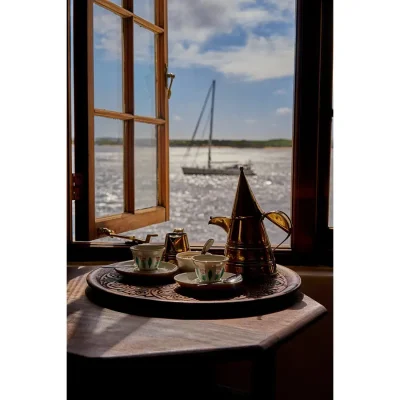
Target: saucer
(129, 268)
(190, 280)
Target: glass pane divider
(126, 117)
(116, 9)
(129, 107)
(131, 221)
(112, 114)
(149, 120)
(124, 13)
(147, 25)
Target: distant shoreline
(257, 144)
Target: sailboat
(212, 168)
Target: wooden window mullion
(311, 237)
(161, 20)
(85, 228)
(128, 101)
(324, 234)
(305, 127)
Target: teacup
(209, 267)
(185, 262)
(147, 256)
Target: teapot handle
(282, 220)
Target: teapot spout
(223, 222)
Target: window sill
(111, 251)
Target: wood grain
(129, 108)
(85, 228)
(114, 8)
(311, 130)
(97, 332)
(126, 221)
(148, 25)
(162, 107)
(125, 116)
(127, 13)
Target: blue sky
(247, 46)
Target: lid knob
(176, 230)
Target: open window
(124, 45)
(140, 124)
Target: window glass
(144, 9)
(248, 49)
(107, 59)
(145, 165)
(109, 166)
(144, 72)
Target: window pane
(249, 49)
(145, 165)
(117, 2)
(145, 73)
(109, 166)
(107, 38)
(144, 9)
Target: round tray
(112, 290)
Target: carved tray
(110, 289)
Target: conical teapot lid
(245, 204)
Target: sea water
(194, 198)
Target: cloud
(108, 38)
(280, 91)
(177, 118)
(261, 58)
(194, 24)
(250, 121)
(108, 33)
(200, 20)
(283, 111)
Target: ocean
(194, 198)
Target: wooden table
(116, 354)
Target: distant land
(204, 143)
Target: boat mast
(211, 124)
(198, 122)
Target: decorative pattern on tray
(112, 281)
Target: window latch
(131, 240)
(172, 77)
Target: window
(148, 119)
(117, 52)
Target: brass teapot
(248, 248)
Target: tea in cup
(147, 256)
(209, 268)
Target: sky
(247, 46)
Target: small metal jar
(175, 242)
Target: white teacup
(185, 262)
(147, 256)
(209, 267)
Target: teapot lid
(245, 203)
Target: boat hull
(214, 171)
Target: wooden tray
(112, 290)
